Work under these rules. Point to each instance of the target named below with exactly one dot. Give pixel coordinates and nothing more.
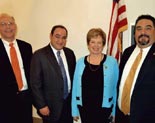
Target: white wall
(134, 9)
(36, 17)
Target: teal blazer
(111, 72)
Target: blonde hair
(3, 15)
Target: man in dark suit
(47, 81)
(16, 102)
(142, 94)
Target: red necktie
(15, 66)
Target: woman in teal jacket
(94, 85)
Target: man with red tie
(15, 58)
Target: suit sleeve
(36, 79)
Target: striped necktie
(125, 102)
(63, 74)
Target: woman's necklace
(89, 64)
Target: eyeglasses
(4, 24)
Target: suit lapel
(148, 61)
(21, 48)
(124, 59)
(5, 66)
(51, 57)
(4, 59)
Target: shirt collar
(144, 49)
(54, 50)
(7, 43)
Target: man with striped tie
(136, 97)
(52, 70)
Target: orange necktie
(15, 66)
(125, 102)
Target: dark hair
(58, 26)
(94, 32)
(148, 17)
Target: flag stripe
(118, 24)
(112, 23)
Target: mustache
(143, 35)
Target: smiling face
(95, 45)
(8, 27)
(58, 38)
(144, 33)
(96, 39)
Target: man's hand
(76, 118)
(44, 111)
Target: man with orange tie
(15, 58)
(136, 97)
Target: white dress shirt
(7, 47)
(65, 65)
(127, 68)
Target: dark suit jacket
(142, 109)
(46, 79)
(8, 84)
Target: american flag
(118, 24)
